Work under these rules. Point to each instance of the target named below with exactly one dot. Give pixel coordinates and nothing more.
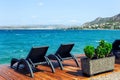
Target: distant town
(102, 23)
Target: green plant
(103, 49)
(100, 52)
(108, 48)
(89, 51)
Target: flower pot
(95, 66)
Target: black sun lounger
(63, 53)
(116, 48)
(35, 57)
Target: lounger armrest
(13, 61)
(59, 57)
(26, 65)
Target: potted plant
(98, 60)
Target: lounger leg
(75, 59)
(31, 63)
(50, 63)
(26, 65)
(60, 64)
(58, 60)
(13, 61)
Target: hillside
(104, 23)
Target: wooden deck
(70, 72)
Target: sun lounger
(36, 56)
(116, 48)
(63, 53)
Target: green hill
(104, 23)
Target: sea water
(17, 43)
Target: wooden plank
(70, 72)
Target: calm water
(17, 43)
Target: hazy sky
(30, 12)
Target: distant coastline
(72, 28)
(54, 27)
(108, 23)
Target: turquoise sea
(17, 43)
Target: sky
(49, 12)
